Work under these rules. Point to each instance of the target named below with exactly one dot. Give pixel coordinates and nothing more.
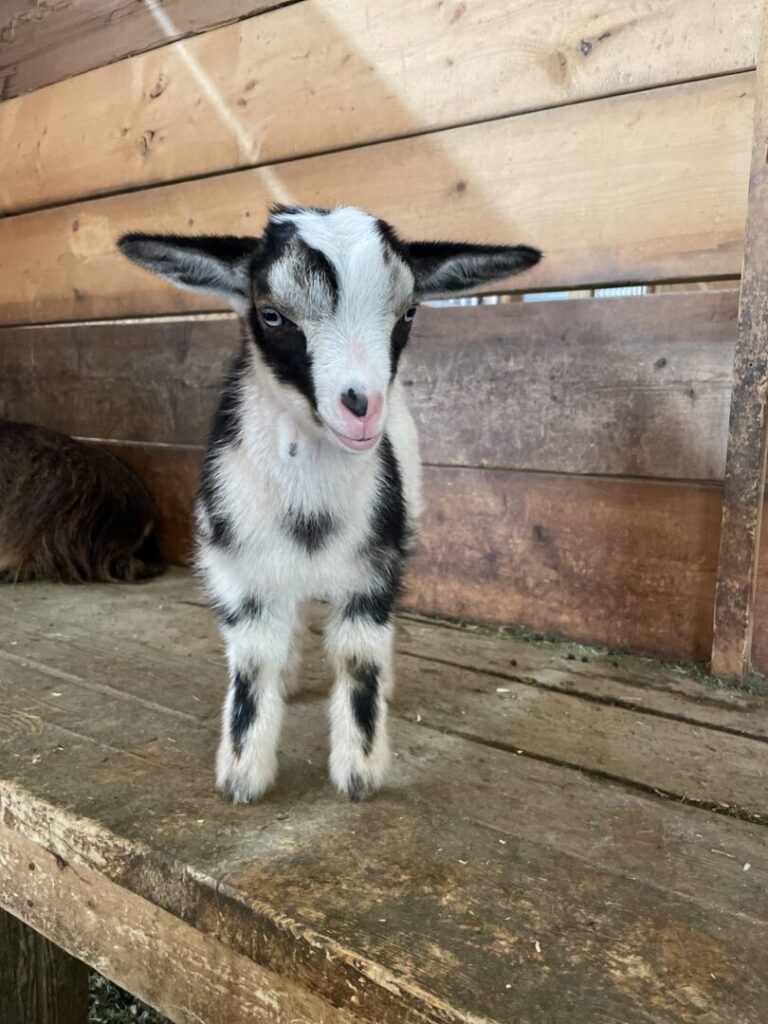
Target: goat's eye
(409, 314)
(271, 317)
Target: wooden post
(745, 463)
(39, 983)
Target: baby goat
(70, 512)
(310, 487)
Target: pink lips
(357, 444)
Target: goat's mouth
(355, 444)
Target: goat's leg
(259, 649)
(361, 651)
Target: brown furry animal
(71, 512)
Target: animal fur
(70, 512)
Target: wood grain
(38, 981)
(474, 863)
(315, 77)
(44, 42)
(605, 188)
(188, 976)
(744, 485)
(635, 386)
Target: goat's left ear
(444, 267)
(220, 264)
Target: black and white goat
(310, 487)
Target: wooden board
(38, 981)
(315, 77)
(475, 865)
(641, 187)
(635, 386)
(190, 977)
(42, 43)
(744, 484)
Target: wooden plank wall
(574, 451)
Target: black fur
(400, 334)
(387, 545)
(389, 526)
(377, 604)
(284, 350)
(244, 708)
(364, 697)
(310, 530)
(247, 611)
(318, 265)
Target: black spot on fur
(400, 334)
(243, 709)
(389, 526)
(284, 350)
(318, 265)
(376, 605)
(224, 432)
(391, 240)
(246, 611)
(221, 532)
(310, 530)
(364, 696)
(225, 426)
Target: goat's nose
(355, 401)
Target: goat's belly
(281, 569)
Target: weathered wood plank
(635, 386)
(744, 486)
(251, 90)
(190, 977)
(38, 981)
(624, 680)
(667, 754)
(45, 42)
(475, 865)
(604, 188)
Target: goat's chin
(352, 444)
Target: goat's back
(70, 512)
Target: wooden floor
(568, 837)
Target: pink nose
(360, 413)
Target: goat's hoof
(243, 781)
(361, 781)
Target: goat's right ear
(220, 264)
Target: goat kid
(310, 488)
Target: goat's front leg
(360, 648)
(259, 650)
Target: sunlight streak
(250, 147)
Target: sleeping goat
(71, 512)
(310, 486)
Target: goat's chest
(301, 523)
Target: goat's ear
(220, 264)
(444, 267)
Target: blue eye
(409, 314)
(270, 317)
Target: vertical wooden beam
(745, 462)
(39, 983)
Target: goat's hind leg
(361, 650)
(259, 644)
